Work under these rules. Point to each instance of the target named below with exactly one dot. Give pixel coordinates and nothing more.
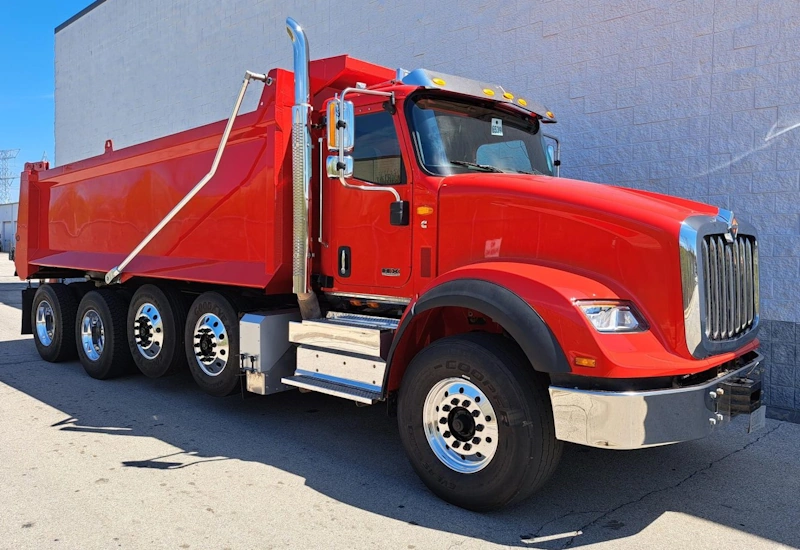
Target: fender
(527, 300)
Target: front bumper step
(638, 419)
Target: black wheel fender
(514, 314)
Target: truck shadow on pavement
(353, 455)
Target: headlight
(610, 316)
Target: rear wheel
(476, 422)
(212, 344)
(53, 316)
(100, 334)
(156, 322)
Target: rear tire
(53, 319)
(100, 334)
(212, 344)
(156, 324)
(444, 431)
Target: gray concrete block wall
(696, 98)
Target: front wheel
(476, 422)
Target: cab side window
(376, 152)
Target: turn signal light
(585, 362)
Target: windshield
(456, 136)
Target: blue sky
(26, 74)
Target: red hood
(626, 239)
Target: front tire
(53, 317)
(100, 334)
(476, 422)
(212, 344)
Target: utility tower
(7, 175)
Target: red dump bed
(89, 215)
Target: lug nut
(446, 434)
(479, 428)
(476, 414)
(442, 421)
(454, 401)
(467, 446)
(446, 408)
(456, 444)
(476, 440)
(465, 403)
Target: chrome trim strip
(634, 420)
(374, 297)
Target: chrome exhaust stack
(301, 173)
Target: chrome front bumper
(638, 419)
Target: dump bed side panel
(94, 212)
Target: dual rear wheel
(154, 330)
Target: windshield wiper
(532, 172)
(484, 167)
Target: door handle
(344, 261)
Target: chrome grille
(730, 272)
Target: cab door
(365, 250)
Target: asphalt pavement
(139, 463)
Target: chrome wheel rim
(93, 336)
(211, 344)
(460, 425)
(45, 323)
(148, 331)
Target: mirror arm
(391, 190)
(340, 129)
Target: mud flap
(27, 305)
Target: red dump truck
(402, 237)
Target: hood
(627, 239)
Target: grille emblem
(733, 228)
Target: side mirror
(336, 168)
(553, 152)
(341, 126)
(341, 137)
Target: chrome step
(333, 388)
(359, 334)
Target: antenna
(7, 176)
(44, 156)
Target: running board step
(358, 334)
(333, 388)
